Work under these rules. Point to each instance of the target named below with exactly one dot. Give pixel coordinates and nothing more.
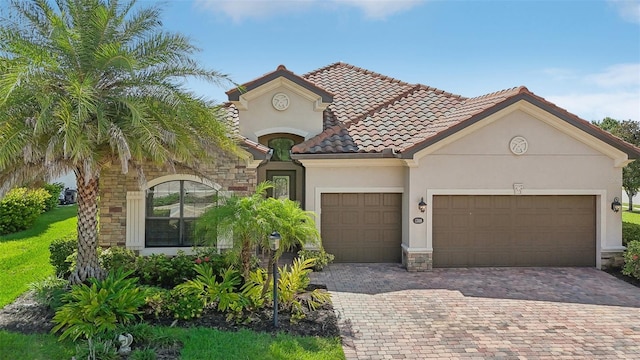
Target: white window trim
(136, 216)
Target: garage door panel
(348, 217)
(372, 217)
(531, 231)
(369, 226)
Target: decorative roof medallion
(280, 101)
(518, 145)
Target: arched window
(171, 209)
(281, 148)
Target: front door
(284, 184)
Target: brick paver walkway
(510, 313)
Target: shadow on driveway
(568, 285)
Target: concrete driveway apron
(386, 312)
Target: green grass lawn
(631, 216)
(24, 256)
(199, 343)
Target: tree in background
(85, 84)
(629, 131)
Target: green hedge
(54, 190)
(630, 232)
(20, 208)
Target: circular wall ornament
(280, 101)
(518, 145)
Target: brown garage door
(362, 227)
(513, 231)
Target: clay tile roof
(376, 114)
(231, 116)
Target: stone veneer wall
(417, 261)
(228, 171)
(612, 260)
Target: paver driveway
(527, 313)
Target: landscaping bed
(25, 315)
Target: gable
(545, 134)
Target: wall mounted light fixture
(615, 205)
(422, 206)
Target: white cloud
(623, 105)
(380, 9)
(629, 10)
(239, 10)
(613, 91)
(620, 75)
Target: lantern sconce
(615, 205)
(422, 206)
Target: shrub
(50, 291)
(321, 257)
(632, 260)
(62, 251)
(156, 301)
(20, 208)
(53, 190)
(630, 232)
(99, 308)
(117, 257)
(184, 307)
(165, 271)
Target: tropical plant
(321, 257)
(248, 221)
(210, 291)
(292, 286)
(85, 84)
(238, 219)
(99, 307)
(296, 227)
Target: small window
(171, 209)
(281, 149)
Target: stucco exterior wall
(555, 163)
(231, 173)
(357, 176)
(262, 118)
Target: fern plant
(99, 307)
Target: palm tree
(85, 84)
(250, 220)
(296, 226)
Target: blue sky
(582, 55)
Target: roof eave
(235, 93)
(631, 151)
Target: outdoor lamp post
(274, 244)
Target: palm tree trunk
(245, 258)
(272, 260)
(87, 265)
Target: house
(398, 172)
